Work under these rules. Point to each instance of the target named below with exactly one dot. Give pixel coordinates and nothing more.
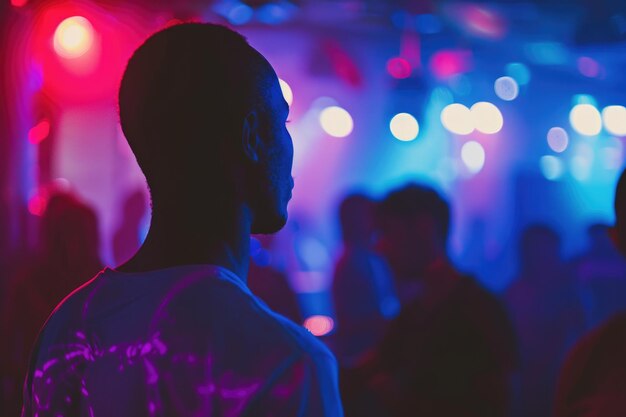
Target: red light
(319, 325)
(39, 132)
(37, 205)
(73, 37)
(18, 3)
(399, 68)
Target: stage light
(473, 156)
(506, 88)
(580, 167)
(614, 118)
(551, 167)
(286, 89)
(39, 132)
(487, 117)
(457, 118)
(404, 127)
(558, 139)
(319, 325)
(336, 121)
(37, 204)
(73, 37)
(585, 119)
(588, 67)
(240, 14)
(399, 68)
(519, 72)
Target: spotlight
(586, 119)
(473, 156)
(319, 325)
(457, 118)
(336, 121)
(487, 117)
(73, 37)
(404, 127)
(286, 89)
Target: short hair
(415, 199)
(184, 94)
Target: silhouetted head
(618, 233)
(356, 217)
(414, 223)
(540, 249)
(205, 117)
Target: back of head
(540, 247)
(356, 215)
(413, 223)
(182, 100)
(414, 200)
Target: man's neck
(174, 240)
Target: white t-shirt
(182, 341)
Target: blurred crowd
(413, 335)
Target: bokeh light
(473, 156)
(18, 3)
(614, 118)
(457, 118)
(580, 167)
(588, 67)
(336, 121)
(319, 325)
(39, 132)
(73, 37)
(558, 139)
(551, 167)
(399, 68)
(586, 119)
(519, 72)
(404, 127)
(37, 204)
(287, 92)
(487, 117)
(506, 88)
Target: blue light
(240, 14)
(519, 72)
(427, 24)
(275, 13)
(551, 167)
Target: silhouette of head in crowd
(414, 224)
(204, 115)
(540, 250)
(356, 217)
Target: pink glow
(319, 325)
(448, 63)
(399, 68)
(37, 205)
(588, 67)
(39, 132)
(18, 3)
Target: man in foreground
(175, 331)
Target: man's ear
(250, 140)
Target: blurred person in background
(451, 351)
(364, 299)
(592, 382)
(362, 288)
(66, 257)
(547, 314)
(600, 273)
